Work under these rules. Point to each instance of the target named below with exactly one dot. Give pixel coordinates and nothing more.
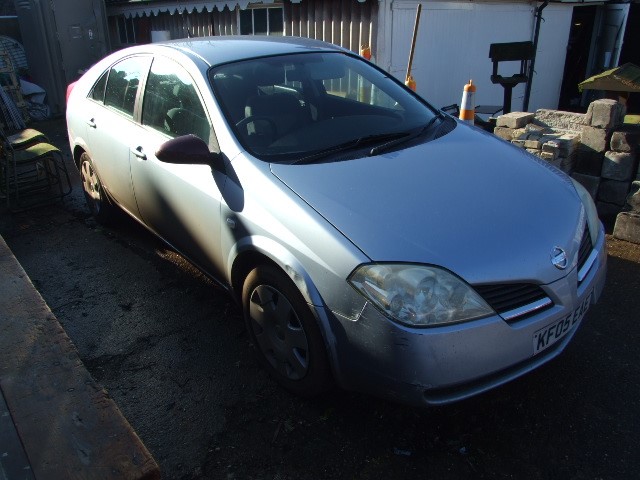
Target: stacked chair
(32, 171)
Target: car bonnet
(469, 202)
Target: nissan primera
(372, 241)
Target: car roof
(231, 48)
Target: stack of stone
(627, 226)
(606, 163)
(594, 148)
(542, 134)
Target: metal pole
(536, 35)
(413, 41)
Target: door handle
(92, 123)
(138, 153)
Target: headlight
(418, 295)
(592, 214)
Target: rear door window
(123, 84)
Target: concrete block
(627, 227)
(625, 141)
(558, 119)
(595, 139)
(567, 142)
(633, 199)
(504, 133)
(589, 182)
(568, 164)
(589, 163)
(618, 166)
(613, 191)
(520, 134)
(532, 143)
(514, 119)
(552, 148)
(607, 212)
(605, 113)
(533, 128)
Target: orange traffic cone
(410, 82)
(467, 106)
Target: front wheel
(99, 204)
(284, 332)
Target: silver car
(372, 241)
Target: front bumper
(435, 366)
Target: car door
(111, 128)
(179, 202)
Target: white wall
(453, 46)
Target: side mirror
(189, 150)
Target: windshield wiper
(351, 145)
(406, 138)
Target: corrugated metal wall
(348, 23)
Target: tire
(284, 333)
(99, 204)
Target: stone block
(618, 166)
(627, 227)
(533, 151)
(589, 163)
(605, 113)
(595, 139)
(613, 191)
(625, 141)
(633, 199)
(549, 157)
(518, 143)
(559, 119)
(607, 212)
(514, 119)
(589, 182)
(567, 142)
(568, 164)
(520, 134)
(551, 147)
(535, 144)
(533, 128)
(504, 133)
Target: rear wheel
(99, 204)
(284, 332)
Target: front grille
(514, 301)
(585, 248)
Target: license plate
(550, 334)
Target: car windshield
(291, 108)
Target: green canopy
(625, 78)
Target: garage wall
(453, 46)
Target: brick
(605, 113)
(535, 144)
(504, 133)
(595, 139)
(633, 199)
(618, 166)
(625, 141)
(589, 182)
(627, 227)
(613, 191)
(514, 119)
(559, 119)
(589, 163)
